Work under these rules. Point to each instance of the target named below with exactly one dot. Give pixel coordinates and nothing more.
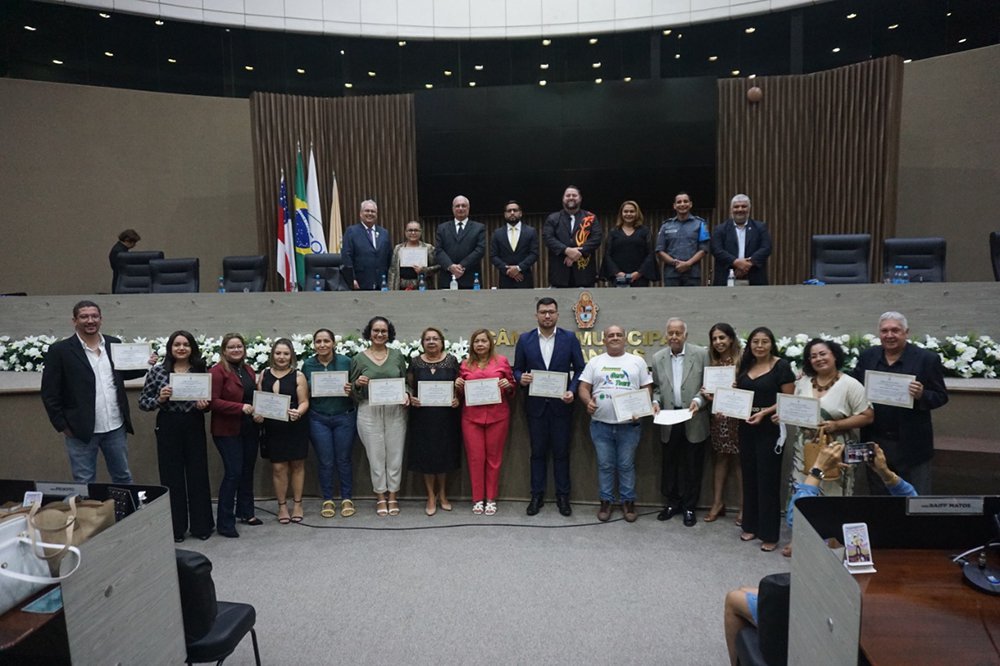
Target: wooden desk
(33, 635)
(918, 609)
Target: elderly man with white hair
(741, 245)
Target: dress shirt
(677, 364)
(460, 226)
(741, 238)
(372, 236)
(107, 415)
(546, 345)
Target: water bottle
(475, 282)
(421, 283)
(317, 285)
(897, 274)
(731, 280)
(222, 285)
(904, 276)
(454, 283)
(385, 283)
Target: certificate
(719, 376)
(435, 394)
(328, 384)
(482, 392)
(672, 416)
(545, 384)
(798, 410)
(413, 256)
(387, 391)
(736, 403)
(131, 355)
(191, 386)
(629, 404)
(889, 388)
(272, 406)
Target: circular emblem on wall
(585, 311)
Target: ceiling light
(348, 85)
(341, 51)
(109, 54)
(57, 62)
(948, 14)
(30, 28)
(546, 42)
(627, 79)
(300, 71)
(104, 15)
(680, 35)
(543, 82)
(544, 65)
(172, 61)
(249, 68)
(908, 60)
(852, 15)
(893, 26)
(371, 74)
(472, 84)
(402, 42)
(596, 65)
(428, 85)
(677, 56)
(447, 72)
(713, 58)
(667, 31)
(592, 40)
(836, 49)
(962, 41)
(750, 30)
(478, 68)
(158, 22)
(598, 80)
(735, 72)
(752, 76)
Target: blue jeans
(615, 444)
(239, 455)
(83, 456)
(333, 439)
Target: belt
(754, 410)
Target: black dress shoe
(179, 539)
(252, 520)
(535, 505)
(668, 513)
(562, 501)
(232, 534)
(689, 519)
(204, 537)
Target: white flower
(794, 351)
(949, 364)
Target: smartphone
(859, 452)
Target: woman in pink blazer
(485, 426)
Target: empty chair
(244, 273)
(333, 276)
(995, 253)
(923, 257)
(173, 276)
(133, 272)
(841, 258)
(212, 628)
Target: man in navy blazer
(367, 249)
(516, 264)
(742, 245)
(461, 244)
(549, 419)
(84, 397)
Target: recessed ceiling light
(104, 15)
(543, 82)
(598, 80)
(893, 26)
(836, 49)
(57, 62)
(735, 72)
(428, 85)
(750, 30)
(172, 61)
(627, 79)
(667, 31)
(546, 42)
(544, 65)
(948, 14)
(752, 76)
(300, 71)
(371, 74)
(109, 54)
(348, 85)
(713, 58)
(908, 60)
(30, 28)
(249, 68)
(595, 65)
(402, 42)
(341, 51)
(852, 15)
(158, 22)
(680, 35)
(478, 68)
(677, 56)
(592, 40)
(472, 84)
(447, 72)
(962, 41)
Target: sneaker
(491, 508)
(477, 508)
(604, 513)
(628, 508)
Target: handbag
(810, 450)
(53, 528)
(24, 573)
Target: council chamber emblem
(585, 311)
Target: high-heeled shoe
(714, 514)
(297, 510)
(284, 520)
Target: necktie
(461, 228)
(513, 236)
(371, 235)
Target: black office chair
(923, 257)
(212, 628)
(333, 276)
(767, 643)
(244, 273)
(133, 272)
(841, 258)
(995, 253)
(173, 276)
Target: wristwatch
(817, 472)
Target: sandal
(297, 509)
(346, 508)
(747, 536)
(714, 514)
(768, 547)
(786, 551)
(491, 508)
(393, 507)
(329, 509)
(739, 520)
(380, 509)
(478, 508)
(284, 520)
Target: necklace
(824, 387)
(379, 357)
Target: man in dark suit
(573, 236)
(906, 434)
(549, 418)
(461, 244)
(367, 249)
(742, 245)
(85, 399)
(514, 250)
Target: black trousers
(761, 481)
(182, 454)
(680, 474)
(550, 434)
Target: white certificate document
(272, 406)
(719, 376)
(630, 404)
(387, 391)
(413, 256)
(191, 386)
(545, 384)
(131, 355)
(435, 394)
(482, 392)
(798, 410)
(736, 403)
(889, 388)
(672, 416)
(328, 384)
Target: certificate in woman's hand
(328, 384)
(719, 376)
(387, 391)
(191, 386)
(413, 256)
(482, 392)
(272, 406)
(435, 394)
(798, 410)
(736, 403)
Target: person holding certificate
(724, 352)
(287, 441)
(332, 421)
(487, 382)
(181, 449)
(434, 432)
(381, 411)
(766, 374)
(615, 436)
(411, 259)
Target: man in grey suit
(461, 244)
(514, 250)
(678, 375)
